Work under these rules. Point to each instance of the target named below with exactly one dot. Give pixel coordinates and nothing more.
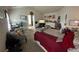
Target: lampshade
(76, 21)
(41, 21)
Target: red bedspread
(50, 44)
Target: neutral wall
(62, 12)
(3, 30)
(17, 12)
(72, 14)
(52, 13)
(71, 11)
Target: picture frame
(74, 22)
(23, 17)
(53, 16)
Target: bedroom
(29, 18)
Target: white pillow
(60, 38)
(56, 33)
(52, 32)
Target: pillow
(56, 33)
(53, 32)
(60, 38)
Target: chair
(12, 43)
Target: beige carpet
(31, 45)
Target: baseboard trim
(6, 50)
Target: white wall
(72, 14)
(62, 13)
(71, 11)
(17, 12)
(52, 13)
(3, 30)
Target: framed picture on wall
(74, 22)
(53, 16)
(23, 20)
(23, 17)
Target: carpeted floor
(31, 45)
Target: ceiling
(47, 9)
(41, 9)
